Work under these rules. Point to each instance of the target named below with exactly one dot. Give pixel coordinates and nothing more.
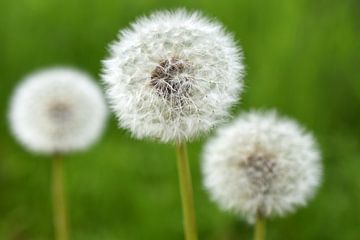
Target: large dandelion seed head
(57, 110)
(261, 164)
(173, 75)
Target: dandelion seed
(261, 164)
(173, 75)
(57, 110)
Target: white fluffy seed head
(261, 164)
(173, 75)
(57, 110)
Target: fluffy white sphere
(261, 164)
(173, 75)
(57, 110)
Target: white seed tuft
(57, 110)
(173, 75)
(261, 163)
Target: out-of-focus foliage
(302, 58)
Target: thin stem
(186, 192)
(259, 227)
(59, 203)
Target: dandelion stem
(59, 204)
(259, 227)
(186, 192)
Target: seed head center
(168, 78)
(59, 112)
(261, 172)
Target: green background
(302, 58)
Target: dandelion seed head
(261, 163)
(173, 75)
(57, 110)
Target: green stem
(59, 204)
(259, 227)
(186, 192)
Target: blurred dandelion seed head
(57, 110)
(261, 162)
(173, 75)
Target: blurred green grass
(302, 58)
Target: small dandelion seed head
(173, 75)
(57, 110)
(261, 163)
